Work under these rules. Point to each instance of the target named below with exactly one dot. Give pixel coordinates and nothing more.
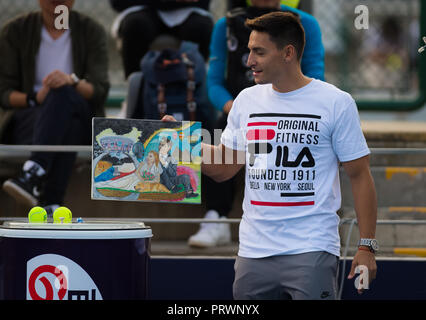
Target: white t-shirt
(53, 55)
(293, 142)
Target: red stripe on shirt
(254, 124)
(282, 204)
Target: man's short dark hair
(284, 28)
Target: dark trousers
(64, 118)
(219, 196)
(172, 182)
(139, 29)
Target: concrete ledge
(394, 133)
(181, 248)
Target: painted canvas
(146, 160)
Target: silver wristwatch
(372, 244)
(75, 79)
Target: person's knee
(199, 25)
(58, 94)
(135, 24)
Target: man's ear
(289, 52)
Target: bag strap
(190, 88)
(191, 104)
(161, 100)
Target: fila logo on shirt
(260, 134)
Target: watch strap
(371, 244)
(32, 100)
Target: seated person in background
(52, 82)
(141, 21)
(228, 74)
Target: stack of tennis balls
(60, 215)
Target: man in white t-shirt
(293, 131)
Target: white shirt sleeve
(347, 137)
(234, 135)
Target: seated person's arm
(17, 99)
(95, 85)
(9, 69)
(86, 89)
(313, 55)
(219, 96)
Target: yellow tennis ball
(37, 215)
(62, 215)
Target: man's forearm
(85, 89)
(209, 166)
(220, 163)
(364, 193)
(18, 99)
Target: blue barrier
(211, 279)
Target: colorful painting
(146, 160)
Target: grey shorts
(306, 276)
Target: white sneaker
(211, 234)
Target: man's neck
(293, 80)
(49, 24)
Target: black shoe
(191, 195)
(176, 189)
(26, 188)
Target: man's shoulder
(21, 21)
(334, 95)
(329, 87)
(254, 93)
(254, 90)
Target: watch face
(371, 243)
(74, 78)
(374, 245)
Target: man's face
(265, 60)
(266, 3)
(164, 148)
(49, 6)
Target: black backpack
(170, 82)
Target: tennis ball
(62, 215)
(37, 215)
